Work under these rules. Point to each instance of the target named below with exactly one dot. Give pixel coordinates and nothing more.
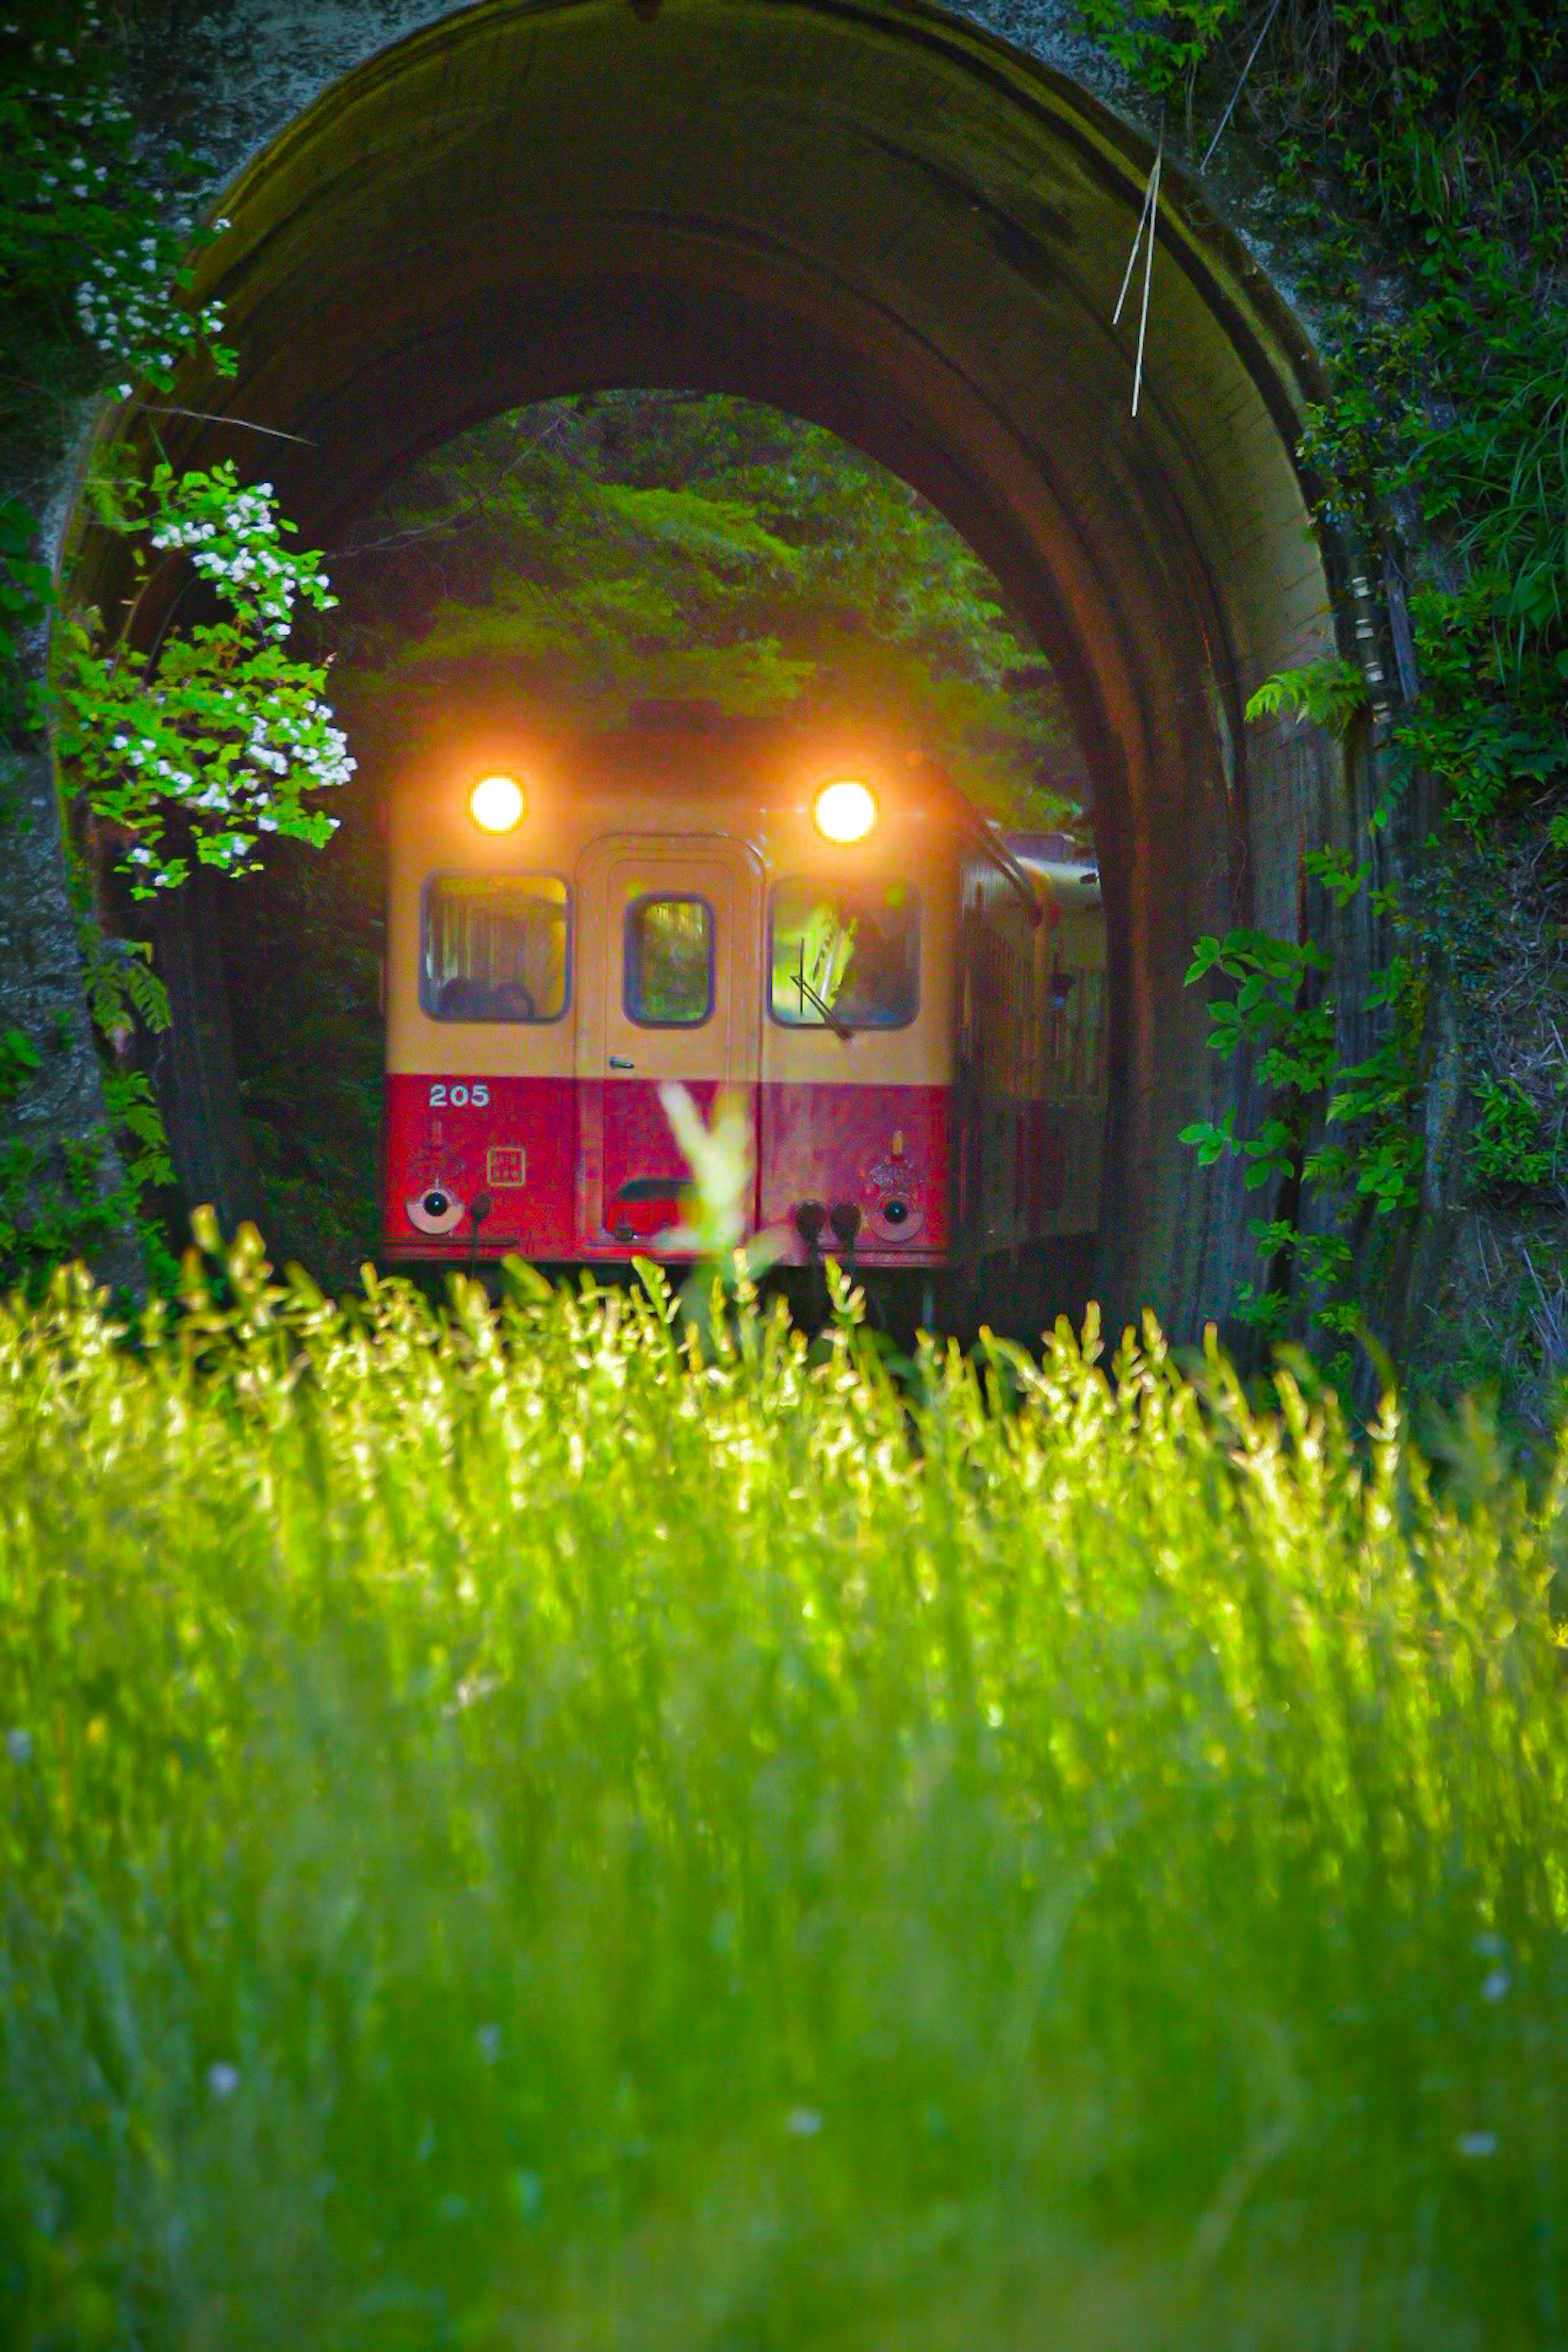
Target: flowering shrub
(217, 724)
(207, 742)
(191, 745)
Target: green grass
(517, 1837)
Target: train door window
(495, 947)
(669, 961)
(848, 955)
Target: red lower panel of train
(570, 1169)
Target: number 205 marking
(459, 1098)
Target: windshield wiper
(839, 1027)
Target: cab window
(669, 961)
(495, 947)
(844, 954)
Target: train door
(669, 988)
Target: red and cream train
(912, 1011)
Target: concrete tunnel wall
(884, 220)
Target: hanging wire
(1138, 238)
(1148, 219)
(1240, 85)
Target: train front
(740, 910)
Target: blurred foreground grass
(513, 1838)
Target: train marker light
(496, 803)
(845, 811)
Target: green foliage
(1164, 52)
(200, 747)
(145, 1146)
(94, 277)
(1329, 693)
(1510, 1148)
(520, 1830)
(584, 553)
(1423, 148)
(217, 736)
(122, 988)
(1455, 398)
(56, 1201)
(1282, 1019)
(1289, 1032)
(19, 1058)
(217, 723)
(1269, 1009)
(25, 600)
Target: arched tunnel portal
(885, 220)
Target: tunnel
(883, 219)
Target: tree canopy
(588, 552)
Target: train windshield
(845, 956)
(495, 947)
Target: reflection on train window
(844, 954)
(669, 961)
(495, 947)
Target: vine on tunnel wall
(1422, 150)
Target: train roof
(1069, 881)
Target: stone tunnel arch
(885, 220)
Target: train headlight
(845, 811)
(496, 803)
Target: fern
(1329, 693)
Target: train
(908, 1004)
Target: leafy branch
(1329, 693)
(220, 725)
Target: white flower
(1494, 1986)
(223, 2080)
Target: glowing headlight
(845, 811)
(496, 803)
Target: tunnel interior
(565, 585)
(881, 219)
